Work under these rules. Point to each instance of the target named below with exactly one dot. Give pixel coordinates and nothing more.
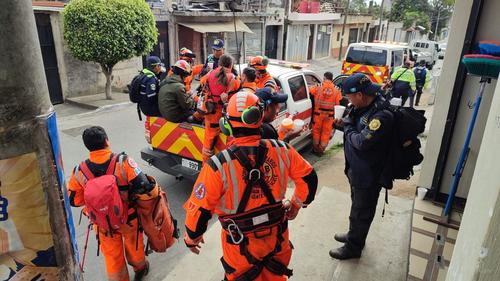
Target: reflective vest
(215, 88)
(326, 98)
(232, 185)
(266, 81)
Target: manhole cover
(77, 131)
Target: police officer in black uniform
(367, 130)
(150, 86)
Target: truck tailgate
(182, 139)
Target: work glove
(291, 209)
(193, 244)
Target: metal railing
(224, 5)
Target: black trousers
(419, 93)
(364, 204)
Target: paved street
(126, 133)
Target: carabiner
(234, 227)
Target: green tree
(417, 19)
(109, 31)
(401, 7)
(358, 7)
(440, 14)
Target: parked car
(175, 148)
(377, 60)
(426, 46)
(423, 56)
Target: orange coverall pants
(322, 130)
(259, 248)
(120, 247)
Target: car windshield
(367, 56)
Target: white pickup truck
(175, 148)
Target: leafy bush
(109, 31)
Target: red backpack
(102, 198)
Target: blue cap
(153, 61)
(359, 82)
(267, 96)
(218, 44)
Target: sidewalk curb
(80, 104)
(95, 109)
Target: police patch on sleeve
(199, 191)
(374, 124)
(153, 87)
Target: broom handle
(465, 150)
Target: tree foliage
(109, 31)
(422, 12)
(401, 7)
(417, 19)
(441, 12)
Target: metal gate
(49, 57)
(161, 48)
(272, 41)
(298, 41)
(323, 41)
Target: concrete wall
(486, 31)
(477, 251)
(83, 78)
(360, 22)
(396, 33)
(444, 89)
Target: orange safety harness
(244, 223)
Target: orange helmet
(244, 110)
(183, 65)
(187, 55)
(259, 62)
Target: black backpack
(134, 88)
(420, 74)
(405, 153)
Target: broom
(487, 67)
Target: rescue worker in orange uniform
(188, 55)
(248, 77)
(245, 186)
(127, 243)
(326, 96)
(219, 84)
(264, 79)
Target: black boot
(341, 237)
(139, 275)
(344, 253)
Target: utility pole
(32, 188)
(437, 25)
(346, 12)
(379, 36)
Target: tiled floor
(431, 244)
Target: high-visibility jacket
(215, 88)
(406, 79)
(250, 87)
(220, 187)
(326, 96)
(125, 246)
(213, 91)
(220, 183)
(266, 81)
